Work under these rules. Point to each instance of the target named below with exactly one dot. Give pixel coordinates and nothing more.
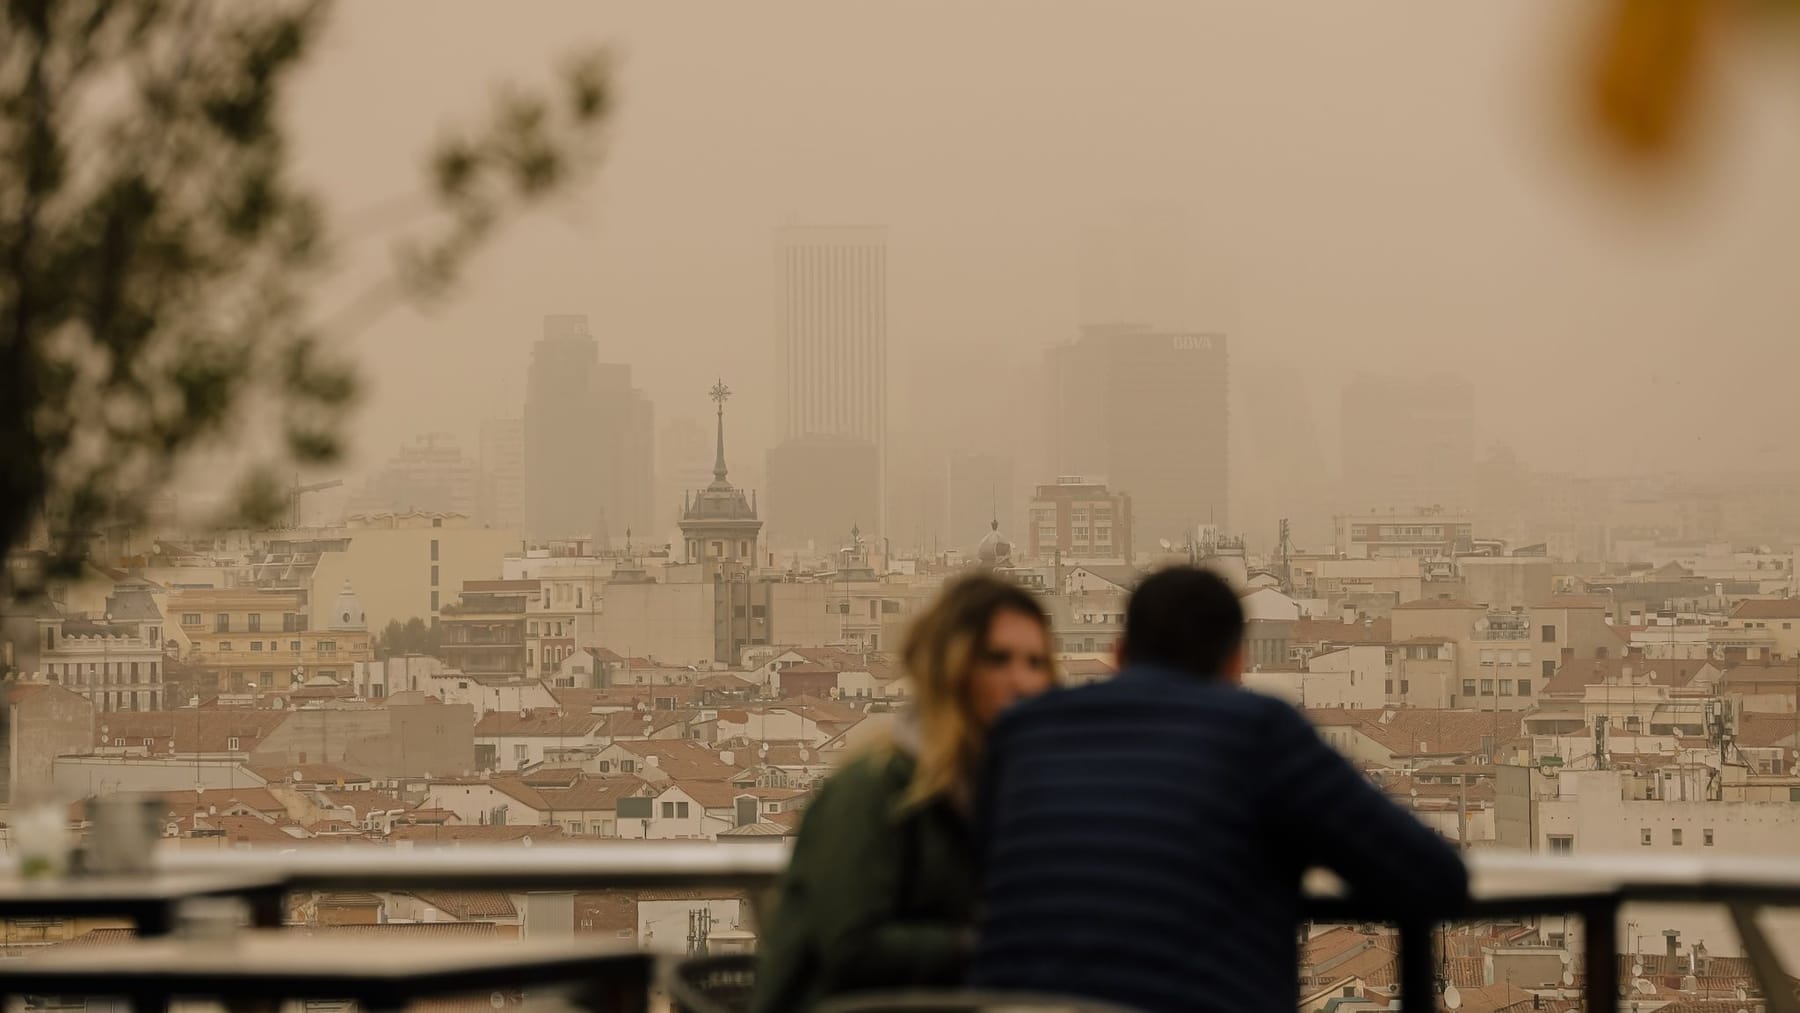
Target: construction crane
(297, 490)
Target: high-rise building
(430, 475)
(831, 336)
(1408, 444)
(819, 488)
(683, 463)
(1146, 410)
(500, 488)
(589, 439)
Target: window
(327, 645)
(190, 619)
(256, 622)
(224, 645)
(1548, 634)
(1549, 669)
(1644, 836)
(520, 752)
(531, 628)
(1390, 687)
(1506, 687)
(232, 743)
(1561, 844)
(1706, 837)
(222, 623)
(668, 810)
(1468, 687)
(434, 550)
(1524, 687)
(628, 766)
(1405, 686)
(1487, 687)
(256, 645)
(434, 575)
(1675, 836)
(681, 810)
(434, 600)
(294, 645)
(1794, 794)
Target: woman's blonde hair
(939, 654)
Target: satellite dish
(1741, 993)
(1644, 986)
(1452, 997)
(1568, 978)
(497, 1001)
(1164, 542)
(1637, 970)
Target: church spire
(720, 393)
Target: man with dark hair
(1144, 838)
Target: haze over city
(1388, 190)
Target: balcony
(1504, 885)
(1515, 635)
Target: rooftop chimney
(1671, 942)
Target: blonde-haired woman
(882, 887)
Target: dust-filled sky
(1387, 187)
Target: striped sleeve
(1334, 817)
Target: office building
(1147, 411)
(831, 320)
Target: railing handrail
(1501, 884)
(1498, 879)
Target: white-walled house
(496, 801)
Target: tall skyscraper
(589, 439)
(831, 320)
(1146, 411)
(429, 474)
(1408, 444)
(500, 491)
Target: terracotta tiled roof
(539, 724)
(186, 731)
(473, 833)
(1326, 631)
(308, 773)
(1758, 729)
(596, 794)
(710, 794)
(1418, 731)
(1742, 675)
(1767, 608)
(682, 759)
(1574, 676)
(469, 905)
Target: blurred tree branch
(157, 258)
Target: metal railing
(1503, 884)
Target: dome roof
(994, 548)
(347, 611)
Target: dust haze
(1387, 191)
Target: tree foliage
(158, 257)
(415, 636)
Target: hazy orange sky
(1388, 187)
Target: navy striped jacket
(1144, 841)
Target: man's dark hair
(1184, 618)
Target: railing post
(1600, 943)
(1418, 977)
